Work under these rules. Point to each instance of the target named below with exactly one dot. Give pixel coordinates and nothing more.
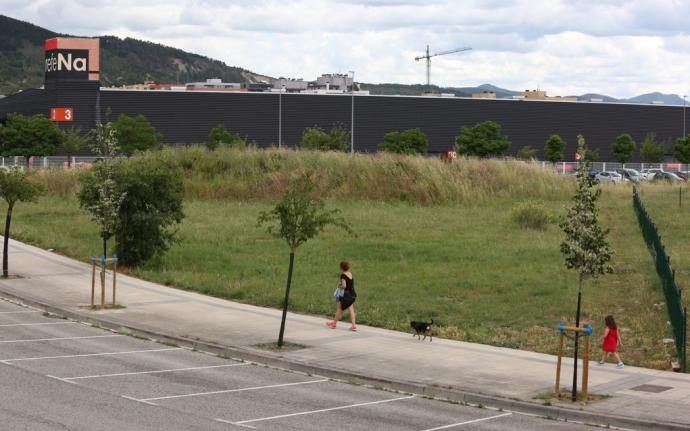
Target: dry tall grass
(229, 174)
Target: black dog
(422, 328)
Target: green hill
(123, 61)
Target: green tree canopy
(29, 136)
(526, 153)
(554, 148)
(482, 140)
(220, 136)
(15, 186)
(411, 141)
(682, 149)
(651, 150)
(316, 138)
(623, 148)
(135, 134)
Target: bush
(553, 152)
(411, 141)
(315, 138)
(135, 134)
(150, 209)
(526, 153)
(482, 140)
(651, 150)
(532, 215)
(221, 136)
(623, 148)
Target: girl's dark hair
(610, 322)
(344, 265)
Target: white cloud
(621, 48)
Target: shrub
(526, 153)
(530, 214)
(135, 134)
(651, 150)
(315, 138)
(411, 141)
(221, 136)
(151, 207)
(682, 149)
(553, 152)
(482, 140)
(623, 148)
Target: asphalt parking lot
(62, 374)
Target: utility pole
(280, 117)
(685, 97)
(352, 114)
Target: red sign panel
(62, 114)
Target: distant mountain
(500, 92)
(668, 99)
(123, 61)
(410, 90)
(589, 96)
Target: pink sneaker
(353, 328)
(331, 324)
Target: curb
(278, 361)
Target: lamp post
(280, 117)
(352, 114)
(684, 100)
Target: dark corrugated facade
(187, 117)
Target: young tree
(526, 153)
(14, 187)
(623, 148)
(411, 141)
(482, 140)
(220, 136)
(651, 150)
(29, 136)
(316, 138)
(135, 134)
(585, 247)
(99, 194)
(297, 218)
(682, 149)
(72, 142)
(553, 151)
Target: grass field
(466, 265)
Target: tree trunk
(105, 246)
(69, 160)
(28, 161)
(285, 304)
(577, 338)
(8, 220)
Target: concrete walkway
(378, 356)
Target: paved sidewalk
(375, 354)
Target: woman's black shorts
(346, 301)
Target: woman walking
(345, 297)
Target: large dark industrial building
(185, 117)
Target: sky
(618, 48)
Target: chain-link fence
(678, 314)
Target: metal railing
(571, 167)
(48, 162)
(677, 312)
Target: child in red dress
(611, 342)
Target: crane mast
(428, 56)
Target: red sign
(62, 114)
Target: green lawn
(481, 277)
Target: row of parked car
(627, 174)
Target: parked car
(682, 175)
(667, 176)
(630, 174)
(593, 174)
(648, 174)
(609, 177)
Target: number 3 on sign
(62, 114)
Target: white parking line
(29, 340)
(139, 401)
(154, 372)
(317, 411)
(17, 312)
(228, 391)
(468, 422)
(90, 354)
(37, 324)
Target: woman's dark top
(349, 297)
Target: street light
(352, 114)
(684, 100)
(280, 117)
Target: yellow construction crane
(428, 59)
